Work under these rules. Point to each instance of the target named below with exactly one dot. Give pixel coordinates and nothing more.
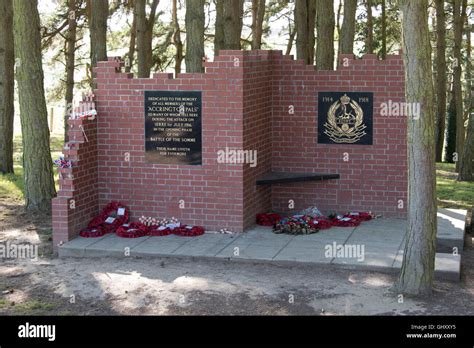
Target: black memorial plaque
(173, 127)
(345, 118)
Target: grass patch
(452, 193)
(32, 307)
(12, 188)
(3, 303)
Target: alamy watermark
(234, 156)
(345, 251)
(18, 251)
(396, 109)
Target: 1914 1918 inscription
(173, 133)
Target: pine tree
(325, 23)
(194, 35)
(37, 163)
(7, 62)
(416, 276)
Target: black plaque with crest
(345, 118)
(173, 131)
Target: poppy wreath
(109, 219)
(321, 223)
(344, 221)
(269, 219)
(360, 216)
(92, 232)
(132, 230)
(155, 231)
(188, 231)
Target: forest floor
(48, 285)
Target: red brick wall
(245, 101)
(257, 130)
(77, 200)
(212, 193)
(375, 176)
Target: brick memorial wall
(250, 100)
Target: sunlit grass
(11, 185)
(32, 307)
(452, 193)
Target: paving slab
(334, 234)
(303, 254)
(113, 246)
(382, 241)
(205, 245)
(451, 229)
(263, 235)
(77, 246)
(250, 252)
(447, 266)
(370, 258)
(159, 245)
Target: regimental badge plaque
(345, 118)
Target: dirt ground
(110, 286)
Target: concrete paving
(374, 245)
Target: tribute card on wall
(345, 118)
(173, 133)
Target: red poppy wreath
(114, 215)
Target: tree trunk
(131, 47)
(232, 24)
(177, 38)
(416, 276)
(311, 23)
(70, 63)
(144, 36)
(458, 16)
(99, 12)
(37, 163)
(258, 13)
(348, 27)
(140, 17)
(450, 134)
(383, 53)
(289, 45)
(369, 40)
(325, 28)
(466, 169)
(338, 23)
(305, 18)
(7, 62)
(241, 18)
(441, 80)
(302, 35)
(219, 31)
(194, 35)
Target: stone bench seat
(282, 177)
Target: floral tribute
(165, 227)
(268, 219)
(310, 221)
(113, 216)
(115, 219)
